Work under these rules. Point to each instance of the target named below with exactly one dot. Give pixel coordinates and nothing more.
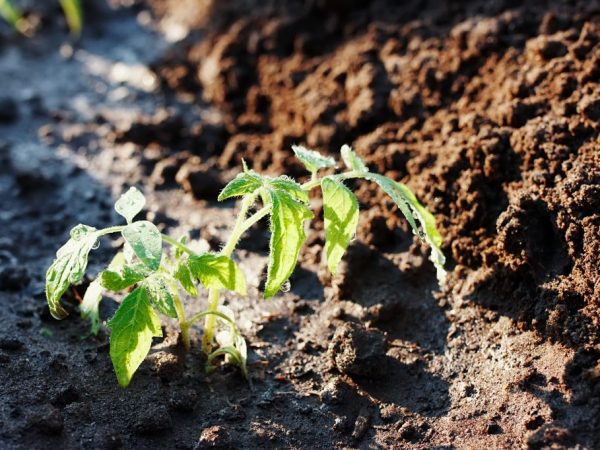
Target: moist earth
(489, 111)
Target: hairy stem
(210, 320)
(213, 294)
(110, 230)
(176, 243)
(241, 226)
(214, 313)
(183, 324)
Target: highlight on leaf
(352, 160)
(160, 293)
(421, 221)
(89, 307)
(156, 280)
(68, 267)
(132, 328)
(340, 210)
(287, 236)
(146, 242)
(245, 183)
(312, 160)
(218, 272)
(130, 204)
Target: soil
(488, 110)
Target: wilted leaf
(421, 221)
(68, 267)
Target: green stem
(168, 239)
(213, 294)
(110, 230)
(214, 313)
(175, 243)
(183, 324)
(349, 175)
(241, 226)
(315, 181)
(210, 320)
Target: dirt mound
(491, 114)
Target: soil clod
(357, 351)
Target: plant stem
(213, 294)
(175, 243)
(241, 226)
(168, 239)
(109, 230)
(313, 183)
(183, 324)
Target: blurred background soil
(488, 110)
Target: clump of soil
(491, 115)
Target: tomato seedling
(156, 278)
(72, 10)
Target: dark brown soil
(489, 110)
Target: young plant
(72, 10)
(157, 278)
(154, 279)
(11, 15)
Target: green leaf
(341, 219)
(218, 271)
(122, 277)
(178, 251)
(245, 183)
(90, 305)
(158, 288)
(128, 253)
(390, 187)
(133, 326)
(287, 237)
(421, 221)
(289, 186)
(312, 160)
(130, 204)
(68, 267)
(73, 14)
(184, 276)
(93, 295)
(146, 242)
(352, 160)
(9, 13)
(429, 232)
